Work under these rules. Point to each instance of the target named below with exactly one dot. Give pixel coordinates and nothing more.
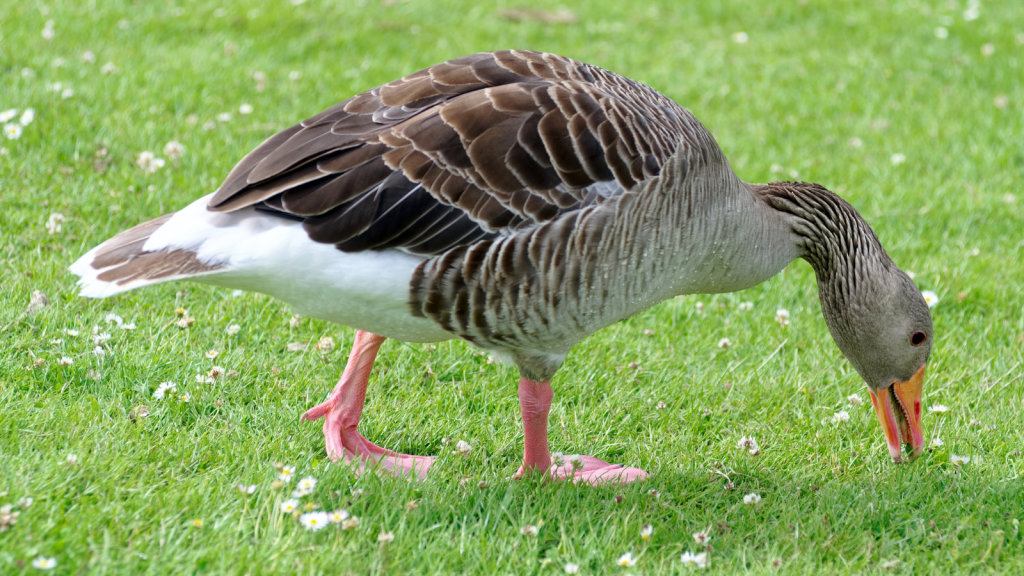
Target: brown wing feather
(463, 151)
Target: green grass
(812, 76)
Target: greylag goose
(519, 201)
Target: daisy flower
(6, 115)
(626, 560)
(645, 531)
(699, 560)
(71, 459)
(251, 488)
(751, 499)
(746, 305)
(27, 116)
(958, 460)
(740, 37)
(286, 473)
(930, 298)
(307, 483)
(43, 563)
(65, 361)
(314, 520)
(701, 538)
(938, 408)
(289, 506)
(162, 390)
(338, 516)
(245, 109)
(897, 159)
(224, 117)
(12, 131)
(211, 354)
(936, 443)
(571, 568)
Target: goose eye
(918, 338)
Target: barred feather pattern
(463, 151)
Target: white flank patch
(264, 253)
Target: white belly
(274, 256)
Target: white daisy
(571, 568)
(897, 159)
(746, 305)
(43, 563)
(314, 520)
(699, 560)
(645, 531)
(162, 390)
(740, 37)
(245, 109)
(307, 483)
(626, 560)
(958, 460)
(12, 131)
(338, 516)
(701, 538)
(938, 408)
(6, 115)
(930, 298)
(936, 442)
(287, 472)
(289, 506)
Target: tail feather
(121, 263)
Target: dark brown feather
(461, 151)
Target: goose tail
(123, 263)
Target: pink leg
(342, 409)
(535, 403)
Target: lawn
(910, 109)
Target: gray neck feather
(847, 257)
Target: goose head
(884, 328)
(875, 312)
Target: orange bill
(898, 408)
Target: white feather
(264, 253)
